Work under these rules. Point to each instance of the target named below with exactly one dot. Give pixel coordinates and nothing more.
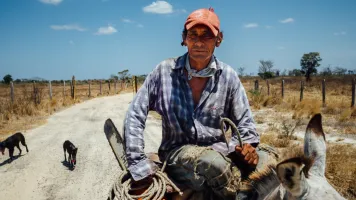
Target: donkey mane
(262, 181)
(267, 180)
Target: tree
(123, 75)
(114, 77)
(327, 71)
(309, 63)
(265, 69)
(241, 70)
(284, 72)
(295, 72)
(7, 79)
(340, 71)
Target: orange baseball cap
(206, 17)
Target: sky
(92, 39)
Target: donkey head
(301, 176)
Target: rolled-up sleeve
(240, 114)
(139, 165)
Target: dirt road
(40, 173)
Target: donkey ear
(292, 174)
(315, 145)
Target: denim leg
(201, 169)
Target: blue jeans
(204, 169)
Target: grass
(24, 114)
(337, 102)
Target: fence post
(89, 89)
(256, 85)
(100, 87)
(323, 90)
(73, 87)
(268, 88)
(282, 88)
(64, 89)
(301, 90)
(134, 84)
(12, 94)
(115, 82)
(109, 85)
(353, 93)
(35, 94)
(50, 90)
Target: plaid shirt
(166, 91)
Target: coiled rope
(158, 188)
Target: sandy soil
(41, 174)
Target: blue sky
(55, 39)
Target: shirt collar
(181, 61)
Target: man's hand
(248, 153)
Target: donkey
(301, 176)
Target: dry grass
(337, 105)
(24, 113)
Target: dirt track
(41, 174)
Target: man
(191, 93)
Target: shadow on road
(8, 160)
(67, 164)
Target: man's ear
(219, 40)
(183, 40)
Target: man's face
(201, 42)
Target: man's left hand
(249, 154)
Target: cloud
(340, 33)
(268, 27)
(281, 48)
(251, 25)
(53, 2)
(288, 20)
(139, 25)
(106, 30)
(158, 7)
(127, 20)
(67, 27)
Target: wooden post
(301, 90)
(64, 89)
(268, 88)
(35, 94)
(323, 91)
(100, 87)
(12, 94)
(50, 90)
(353, 93)
(73, 87)
(115, 82)
(256, 85)
(89, 89)
(134, 84)
(109, 85)
(282, 88)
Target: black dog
(11, 142)
(72, 151)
